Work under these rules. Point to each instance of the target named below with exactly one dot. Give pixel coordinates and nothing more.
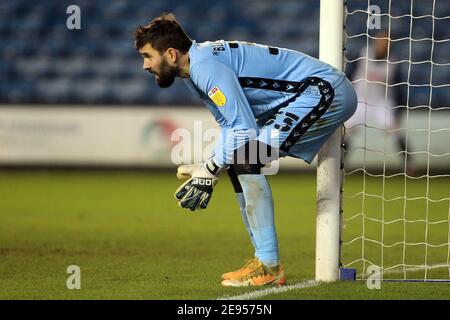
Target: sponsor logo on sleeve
(217, 96)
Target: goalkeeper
(269, 102)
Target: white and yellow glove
(196, 192)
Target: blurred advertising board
(167, 136)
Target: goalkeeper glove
(196, 192)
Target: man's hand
(196, 192)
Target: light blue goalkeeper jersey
(241, 82)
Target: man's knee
(252, 156)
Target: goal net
(396, 197)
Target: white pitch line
(274, 290)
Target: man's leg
(257, 209)
(260, 216)
(242, 204)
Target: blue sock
(260, 217)
(241, 200)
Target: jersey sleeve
(222, 87)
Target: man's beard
(167, 75)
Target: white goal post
(396, 200)
(329, 156)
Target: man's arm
(222, 86)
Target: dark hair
(162, 33)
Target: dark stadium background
(41, 62)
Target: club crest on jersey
(217, 96)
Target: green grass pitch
(131, 241)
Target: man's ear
(172, 55)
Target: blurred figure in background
(379, 105)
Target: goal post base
(347, 274)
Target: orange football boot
(257, 274)
(235, 274)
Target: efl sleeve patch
(217, 96)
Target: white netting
(397, 157)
